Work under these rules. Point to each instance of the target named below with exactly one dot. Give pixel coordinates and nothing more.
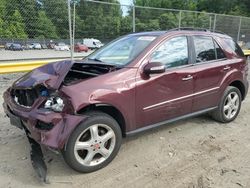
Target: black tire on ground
(218, 114)
(95, 117)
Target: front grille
(24, 97)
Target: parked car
(135, 83)
(92, 43)
(44, 46)
(80, 48)
(51, 45)
(36, 46)
(7, 45)
(16, 47)
(61, 47)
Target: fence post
(74, 25)
(215, 16)
(133, 21)
(70, 31)
(238, 34)
(210, 22)
(179, 26)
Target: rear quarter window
(234, 47)
(219, 52)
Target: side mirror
(154, 68)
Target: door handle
(226, 68)
(188, 77)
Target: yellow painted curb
(25, 66)
(22, 66)
(246, 52)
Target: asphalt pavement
(7, 55)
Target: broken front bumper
(46, 127)
(42, 127)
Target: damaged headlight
(54, 103)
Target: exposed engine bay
(82, 71)
(26, 96)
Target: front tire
(229, 106)
(93, 144)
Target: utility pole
(70, 31)
(133, 19)
(74, 21)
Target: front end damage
(43, 128)
(35, 104)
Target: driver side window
(172, 53)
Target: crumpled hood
(50, 75)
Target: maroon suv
(137, 82)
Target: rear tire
(94, 143)
(229, 106)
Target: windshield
(123, 50)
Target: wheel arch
(238, 84)
(108, 109)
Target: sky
(125, 8)
(126, 2)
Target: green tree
(4, 30)
(28, 10)
(101, 21)
(171, 4)
(45, 27)
(2, 34)
(56, 10)
(217, 6)
(15, 27)
(169, 20)
(80, 28)
(126, 25)
(9, 8)
(2, 8)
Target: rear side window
(204, 49)
(207, 49)
(234, 47)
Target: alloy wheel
(231, 105)
(94, 145)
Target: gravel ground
(7, 55)
(195, 153)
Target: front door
(166, 95)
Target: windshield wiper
(95, 59)
(105, 63)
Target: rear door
(210, 67)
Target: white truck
(92, 43)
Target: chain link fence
(46, 21)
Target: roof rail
(188, 29)
(195, 29)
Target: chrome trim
(211, 61)
(189, 77)
(179, 98)
(227, 68)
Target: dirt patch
(196, 153)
